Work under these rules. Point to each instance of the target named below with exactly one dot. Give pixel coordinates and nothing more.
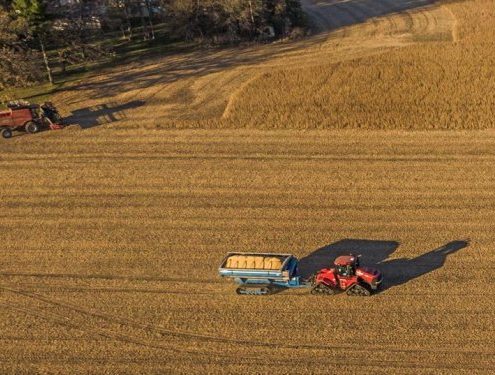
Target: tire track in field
(182, 354)
(75, 289)
(68, 321)
(124, 157)
(220, 358)
(108, 277)
(193, 88)
(443, 180)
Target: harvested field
(111, 242)
(378, 64)
(112, 233)
(445, 81)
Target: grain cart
(261, 273)
(31, 118)
(264, 273)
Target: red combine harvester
(30, 118)
(347, 275)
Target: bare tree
(18, 63)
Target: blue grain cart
(262, 273)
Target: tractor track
(194, 87)
(81, 159)
(109, 334)
(62, 288)
(66, 321)
(98, 278)
(179, 353)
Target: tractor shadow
(400, 271)
(101, 114)
(373, 252)
(395, 272)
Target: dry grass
(111, 239)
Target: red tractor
(31, 118)
(346, 275)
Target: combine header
(262, 274)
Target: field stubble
(110, 252)
(374, 64)
(111, 236)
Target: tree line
(233, 20)
(35, 35)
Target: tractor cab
(346, 265)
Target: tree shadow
(172, 66)
(400, 271)
(101, 114)
(373, 252)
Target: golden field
(383, 65)
(112, 231)
(111, 244)
(446, 81)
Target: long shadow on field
(400, 271)
(162, 69)
(373, 252)
(101, 114)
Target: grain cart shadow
(101, 114)
(400, 271)
(372, 251)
